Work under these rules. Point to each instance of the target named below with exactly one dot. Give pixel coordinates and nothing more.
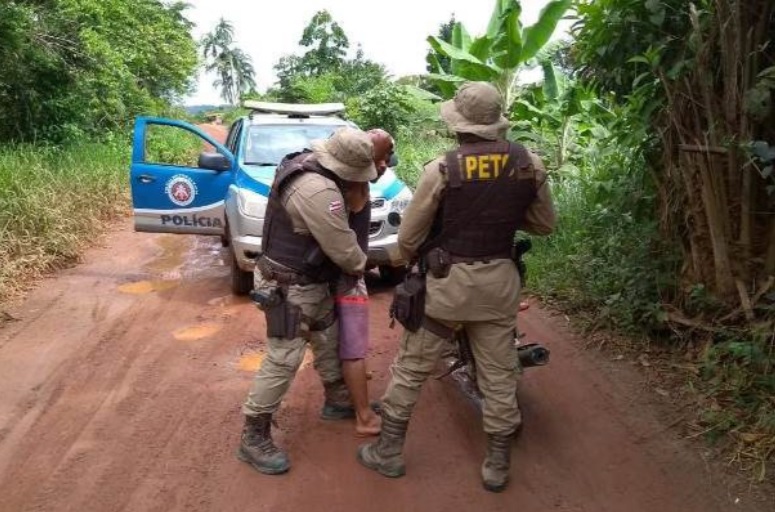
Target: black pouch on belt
(438, 262)
(408, 306)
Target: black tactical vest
(491, 185)
(299, 252)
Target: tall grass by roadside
(415, 147)
(54, 201)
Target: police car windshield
(268, 144)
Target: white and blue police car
(225, 193)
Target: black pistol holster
(283, 319)
(517, 252)
(408, 306)
(438, 262)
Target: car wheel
(241, 281)
(392, 275)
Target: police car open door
(179, 178)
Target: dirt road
(121, 382)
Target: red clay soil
(121, 382)
(217, 131)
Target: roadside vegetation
(53, 203)
(655, 122)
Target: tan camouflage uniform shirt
(317, 207)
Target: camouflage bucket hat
(477, 109)
(348, 153)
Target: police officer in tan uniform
(461, 223)
(307, 243)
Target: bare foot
(368, 424)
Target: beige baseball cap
(348, 153)
(477, 109)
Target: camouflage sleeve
(418, 217)
(540, 217)
(323, 212)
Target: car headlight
(401, 201)
(251, 204)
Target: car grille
(378, 203)
(375, 228)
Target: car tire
(241, 281)
(392, 275)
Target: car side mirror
(214, 161)
(393, 160)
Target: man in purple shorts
(352, 297)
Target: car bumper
(246, 249)
(380, 251)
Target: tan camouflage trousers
(284, 356)
(497, 370)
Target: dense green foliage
(324, 73)
(498, 55)
(85, 66)
(660, 152)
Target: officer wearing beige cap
(461, 223)
(307, 244)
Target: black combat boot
(257, 448)
(386, 455)
(495, 469)
(338, 405)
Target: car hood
(259, 179)
(388, 186)
(256, 178)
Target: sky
(391, 32)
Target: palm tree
(233, 67)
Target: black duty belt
(479, 259)
(438, 328)
(273, 271)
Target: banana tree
(499, 54)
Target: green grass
(53, 202)
(415, 147)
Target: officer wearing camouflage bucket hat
(461, 223)
(307, 245)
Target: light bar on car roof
(310, 109)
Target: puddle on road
(251, 362)
(181, 258)
(229, 305)
(172, 258)
(224, 301)
(143, 287)
(196, 332)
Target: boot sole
(266, 471)
(390, 474)
(495, 488)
